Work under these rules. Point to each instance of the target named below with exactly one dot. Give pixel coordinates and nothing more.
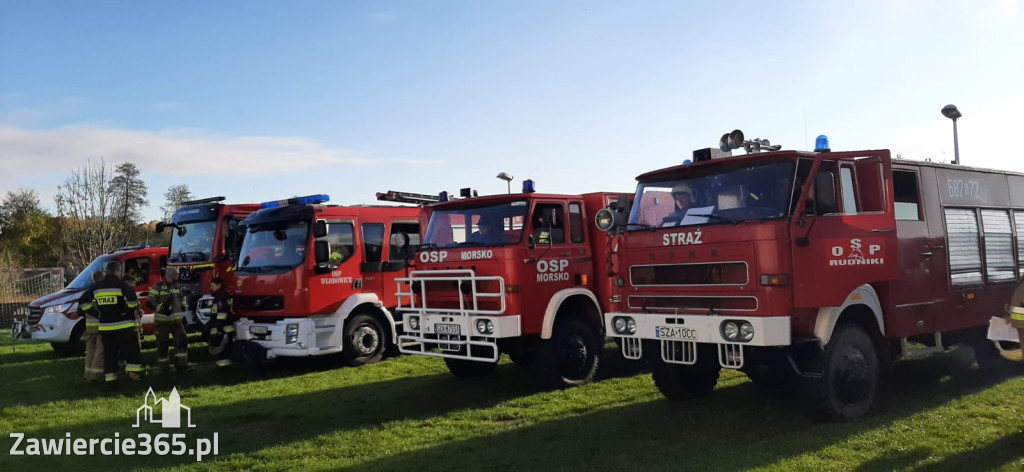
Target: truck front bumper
(677, 336)
(457, 336)
(53, 328)
(300, 337)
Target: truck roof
(673, 171)
(505, 197)
(306, 212)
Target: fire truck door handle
(566, 254)
(926, 254)
(882, 230)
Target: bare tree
(174, 197)
(90, 225)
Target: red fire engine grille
(693, 303)
(714, 273)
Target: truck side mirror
(622, 208)
(319, 228)
(321, 252)
(160, 227)
(824, 193)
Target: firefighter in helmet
(93, 343)
(222, 323)
(115, 303)
(168, 304)
(684, 198)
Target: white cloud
(25, 152)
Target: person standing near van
(93, 344)
(116, 304)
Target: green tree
(27, 230)
(128, 192)
(173, 198)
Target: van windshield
(752, 192)
(492, 225)
(84, 278)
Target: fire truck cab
(520, 274)
(817, 267)
(204, 244)
(54, 318)
(311, 279)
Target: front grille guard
(407, 297)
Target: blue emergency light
(528, 186)
(307, 200)
(821, 144)
(132, 248)
(687, 162)
(442, 197)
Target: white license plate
(258, 330)
(675, 332)
(443, 328)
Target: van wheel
(75, 347)
(364, 341)
(679, 382)
(463, 368)
(849, 382)
(570, 357)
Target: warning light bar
(132, 248)
(406, 197)
(203, 200)
(307, 200)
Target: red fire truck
(520, 274)
(311, 279)
(204, 245)
(814, 266)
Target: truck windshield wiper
(641, 226)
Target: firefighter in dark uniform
(116, 304)
(93, 343)
(222, 323)
(168, 304)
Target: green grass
(408, 413)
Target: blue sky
(262, 100)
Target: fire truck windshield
(193, 242)
(714, 196)
(493, 225)
(273, 247)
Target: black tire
(75, 347)
(364, 341)
(570, 357)
(850, 378)
(467, 369)
(679, 382)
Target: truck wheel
(849, 382)
(364, 341)
(570, 357)
(469, 369)
(75, 346)
(679, 382)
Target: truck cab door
(550, 265)
(844, 228)
(373, 258)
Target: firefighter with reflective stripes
(93, 344)
(1016, 310)
(116, 304)
(168, 304)
(222, 323)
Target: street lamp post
(950, 111)
(507, 178)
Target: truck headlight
(730, 331)
(291, 333)
(619, 325)
(414, 323)
(485, 326)
(746, 331)
(631, 326)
